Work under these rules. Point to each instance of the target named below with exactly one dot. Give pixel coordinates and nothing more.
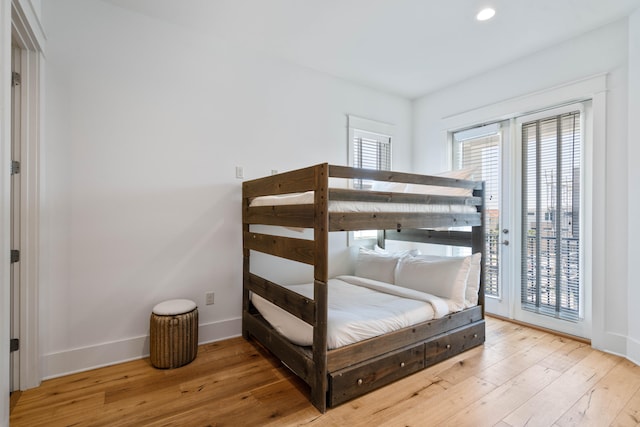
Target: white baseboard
(633, 350)
(110, 353)
(106, 354)
(610, 342)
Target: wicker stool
(174, 333)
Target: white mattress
(351, 206)
(358, 309)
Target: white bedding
(358, 309)
(351, 206)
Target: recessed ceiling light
(485, 14)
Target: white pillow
(464, 174)
(446, 278)
(376, 266)
(473, 279)
(397, 254)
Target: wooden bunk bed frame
(341, 374)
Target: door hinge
(15, 78)
(15, 255)
(15, 167)
(14, 345)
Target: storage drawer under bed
(455, 342)
(356, 380)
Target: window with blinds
(369, 148)
(551, 216)
(479, 149)
(370, 151)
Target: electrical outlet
(239, 172)
(274, 171)
(209, 298)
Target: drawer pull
(359, 381)
(475, 335)
(448, 346)
(402, 364)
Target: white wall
(601, 51)
(633, 143)
(144, 125)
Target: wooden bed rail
(390, 197)
(301, 250)
(403, 177)
(352, 221)
(296, 181)
(298, 305)
(438, 237)
(301, 180)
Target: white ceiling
(405, 47)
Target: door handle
(505, 242)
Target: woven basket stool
(174, 333)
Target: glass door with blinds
(533, 169)
(551, 291)
(483, 149)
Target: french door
(532, 168)
(483, 149)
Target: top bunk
(319, 197)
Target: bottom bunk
(403, 312)
(359, 368)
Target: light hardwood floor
(520, 377)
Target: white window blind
(551, 153)
(369, 148)
(479, 149)
(370, 151)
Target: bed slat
(403, 177)
(298, 305)
(452, 238)
(389, 197)
(287, 215)
(297, 181)
(389, 220)
(300, 250)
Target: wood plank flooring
(520, 377)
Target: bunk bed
(336, 375)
